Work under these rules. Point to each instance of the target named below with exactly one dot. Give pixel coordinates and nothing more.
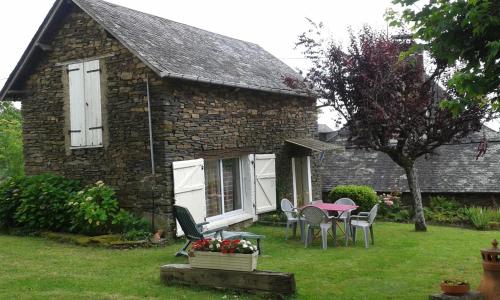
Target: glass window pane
(232, 195)
(213, 188)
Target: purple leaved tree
(386, 100)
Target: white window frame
(240, 211)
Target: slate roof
(323, 128)
(315, 145)
(453, 169)
(177, 50)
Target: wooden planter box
(217, 260)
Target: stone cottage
(164, 112)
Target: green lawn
(402, 264)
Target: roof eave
(30, 49)
(298, 93)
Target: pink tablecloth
(335, 207)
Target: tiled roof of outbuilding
(452, 169)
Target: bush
(96, 211)
(9, 201)
(364, 196)
(41, 202)
(93, 209)
(132, 227)
(482, 218)
(445, 210)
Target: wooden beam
(19, 92)
(267, 283)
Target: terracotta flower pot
(454, 289)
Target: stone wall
(207, 121)
(190, 120)
(124, 161)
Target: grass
(403, 264)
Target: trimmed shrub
(42, 202)
(364, 196)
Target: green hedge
(364, 196)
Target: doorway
(302, 188)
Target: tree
(388, 103)
(11, 149)
(463, 36)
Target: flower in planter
(224, 246)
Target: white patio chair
(345, 216)
(316, 218)
(365, 221)
(292, 218)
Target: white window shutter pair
(189, 186)
(85, 104)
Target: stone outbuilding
(164, 112)
(453, 171)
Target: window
(223, 186)
(85, 104)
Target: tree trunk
(411, 175)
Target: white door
(265, 183)
(189, 189)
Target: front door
(302, 190)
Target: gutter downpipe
(153, 173)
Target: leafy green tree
(463, 37)
(11, 147)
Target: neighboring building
(325, 132)
(452, 171)
(97, 79)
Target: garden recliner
(192, 231)
(365, 221)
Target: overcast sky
(274, 25)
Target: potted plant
(455, 287)
(236, 255)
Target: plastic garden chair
(292, 218)
(316, 218)
(346, 216)
(365, 221)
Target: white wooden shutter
(93, 117)
(77, 105)
(265, 183)
(189, 189)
